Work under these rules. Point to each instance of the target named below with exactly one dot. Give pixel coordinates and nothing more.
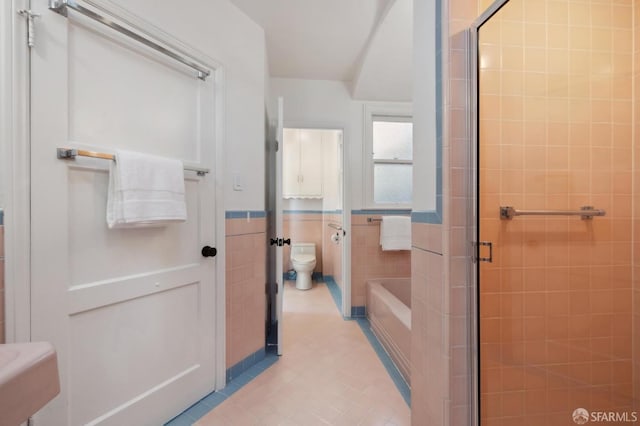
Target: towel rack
(71, 154)
(373, 219)
(61, 7)
(586, 212)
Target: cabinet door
(290, 163)
(311, 155)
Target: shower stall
(557, 96)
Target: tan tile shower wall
(556, 133)
(636, 210)
(245, 288)
(369, 261)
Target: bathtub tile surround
(389, 312)
(367, 258)
(245, 287)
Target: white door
(130, 312)
(279, 227)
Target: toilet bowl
(303, 260)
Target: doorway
(557, 297)
(306, 196)
(312, 191)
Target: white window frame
(392, 112)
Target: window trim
(390, 112)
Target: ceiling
(366, 43)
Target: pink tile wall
(441, 378)
(331, 252)
(245, 287)
(369, 261)
(2, 313)
(303, 228)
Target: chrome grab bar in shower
(585, 212)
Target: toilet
(303, 260)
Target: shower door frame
(474, 204)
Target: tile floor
(328, 375)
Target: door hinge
(479, 258)
(30, 16)
(277, 146)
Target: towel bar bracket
(67, 153)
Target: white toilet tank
(303, 248)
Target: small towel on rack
(395, 233)
(145, 190)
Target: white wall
(324, 104)
(424, 112)
(224, 33)
(327, 104)
(331, 173)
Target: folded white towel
(395, 233)
(145, 190)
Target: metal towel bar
(373, 219)
(334, 226)
(71, 154)
(585, 212)
(61, 7)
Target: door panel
(556, 330)
(279, 224)
(131, 312)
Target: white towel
(145, 190)
(395, 233)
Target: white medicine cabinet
(302, 159)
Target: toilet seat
(304, 258)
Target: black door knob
(209, 251)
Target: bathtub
(389, 312)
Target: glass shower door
(558, 325)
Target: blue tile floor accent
(245, 364)
(335, 291)
(358, 311)
(211, 401)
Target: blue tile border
(427, 216)
(291, 276)
(242, 214)
(358, 312)
(385, 211)
(312, 211)
(393, 371)
(212, 400)
(245, 364)
(335, 291)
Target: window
(389, 156)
